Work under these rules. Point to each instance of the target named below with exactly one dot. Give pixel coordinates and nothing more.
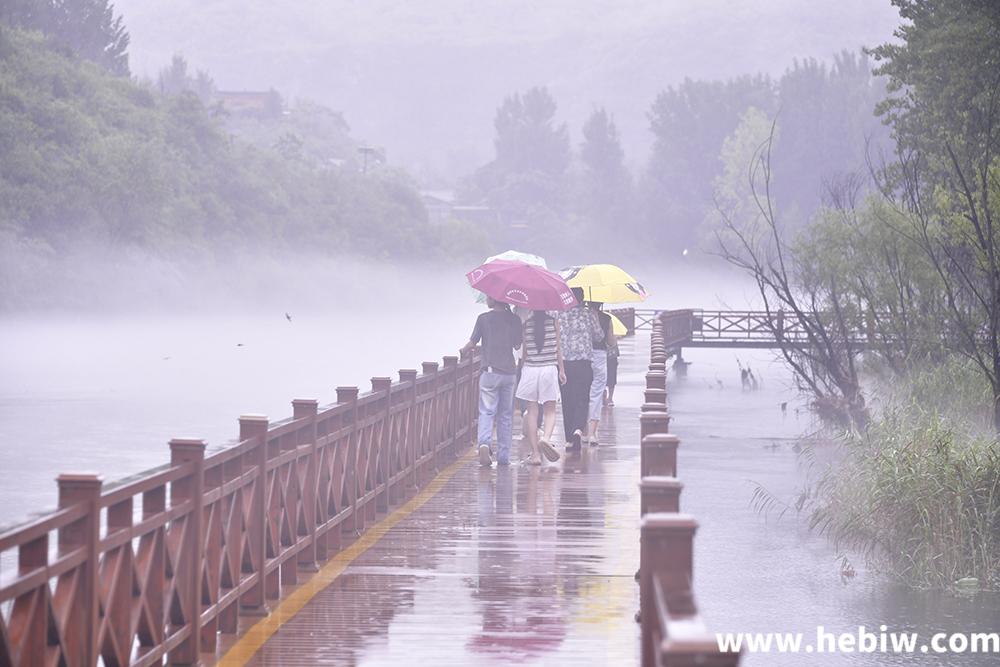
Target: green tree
(737, 186)
(689, 123)
(828, 126)
(605, 187)
(944, 107)
(527, 180)
(175, 79)
(94, 159)
(527, 135)
(89, 28)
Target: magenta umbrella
(521, 284)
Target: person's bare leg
(531, 434)
(592, 430)
(549, 416)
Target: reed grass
(918, 497)
(917, 493)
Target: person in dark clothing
(500, 332)
(579, 329)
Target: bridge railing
(760, 329)
(673, 632)
(157, 566)
(695, 324)
(678, 324)
(748, 325)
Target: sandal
(548, 451)
(532, 461)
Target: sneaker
(484, 456)
(548, 451)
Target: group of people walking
(540, 357)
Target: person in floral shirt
(579, 329)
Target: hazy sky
(423, 79)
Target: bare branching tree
(825, 356)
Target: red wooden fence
(155, 567)
(673, 633)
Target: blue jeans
(496, 401)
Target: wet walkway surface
(518, 565)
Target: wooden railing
(757, 329)
(155, 567)
(673, 633)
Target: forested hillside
(455, 60)
(89, 157)
(704, 134)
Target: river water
(769, 574)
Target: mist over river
(103, 387)
(757, 574)
(123, 359)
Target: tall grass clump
(918, 491)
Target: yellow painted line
(247, 645)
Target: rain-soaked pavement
(535, 566)
(520, 565)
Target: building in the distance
(263, 104)
(441, 206)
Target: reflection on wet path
(520, 565)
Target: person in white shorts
(541, 375)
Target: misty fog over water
(104, 388)
(103, 385)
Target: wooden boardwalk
(518, 565)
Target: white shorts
(539, 384)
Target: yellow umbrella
(604, 283)
(618, 327)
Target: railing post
(656, 380)
(350, 395)
(658, 454)
(666, 555)
(653, 422)
(472, 396)
(254, 601)
(385, 454)
(188, 570)
(434, 418)
(680, 366)
(656, 397)
(85, 533)
(308, 409)
(659, 494)
(451, 419)
(409, 376)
